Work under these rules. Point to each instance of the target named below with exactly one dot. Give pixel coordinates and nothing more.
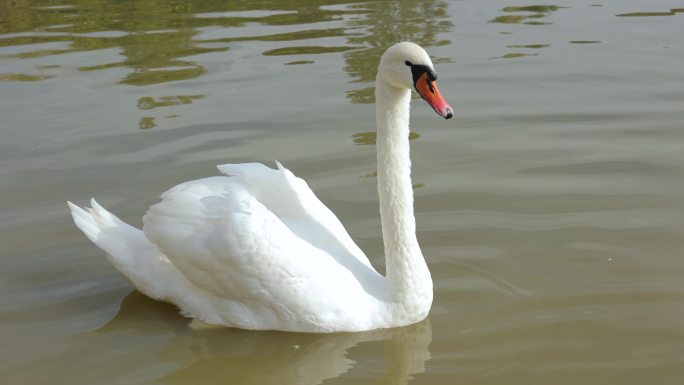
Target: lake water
(550, 209)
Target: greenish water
(550, 209)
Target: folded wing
(260, 237)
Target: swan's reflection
(222, 356)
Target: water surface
(550, 209)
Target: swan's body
(257, 250)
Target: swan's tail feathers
(127, 249)
(108, 232)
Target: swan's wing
(291, 200)
(224, 240)
(228, 242)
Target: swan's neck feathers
(408, 278)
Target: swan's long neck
(408, 278)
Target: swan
(256, 249)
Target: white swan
(258, 250)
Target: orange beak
(428, 90)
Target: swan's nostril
(449, 113)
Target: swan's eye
(408, 63)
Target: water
(550, 209)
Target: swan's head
(407, 65)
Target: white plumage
(256, 249)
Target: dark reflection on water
(157, 43)
(672, 11)
(146, 122)
(219, 356)
(22, 77)
(533, 8)
(289, 36)
(298, 62)
(526, 14)
(304, 50)
(153, 38)
(515, 55)
(156, 40)
(148, 103)
(530, 15)
(532, 46)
